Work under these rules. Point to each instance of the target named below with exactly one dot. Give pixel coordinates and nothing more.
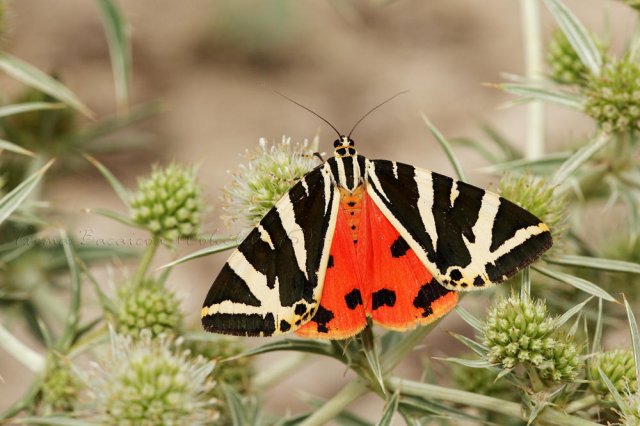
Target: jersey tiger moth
(358, 238)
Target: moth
(358, 238)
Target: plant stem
(146, 261)
(428, 391)
(335, 405)
(581, 404)
(530, 13)
(21, 352)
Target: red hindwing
(376, 274)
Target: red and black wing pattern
(272, 283)
(400, 291)
(467, 238)
(341, 312)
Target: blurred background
(212, 66)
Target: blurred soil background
(213, 65)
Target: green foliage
(521, 332)
(566, 66)
(619, 366)
(613, 97)
(537, 354)
(146, 306)
(61, 386)
(152, 381)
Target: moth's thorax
(351, 205)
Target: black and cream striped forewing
(272, 283)
(467, 237)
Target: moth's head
(344, 147)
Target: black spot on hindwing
(323, 317)
(429, 293)
(383, 297)
(300, 309)
(353, 298)
(399, 247)
(284, 326)
(330, 262)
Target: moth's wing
(272, 283)
(341, 312)
(399, 291)
(467, 237)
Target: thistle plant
(519, 331)
(613, 97)
(566, 66)
(152, 381)
(269, 173)
(169, 203)
(538, 354)
(61, 387)
(619, 367)
(146, 306)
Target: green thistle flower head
(538, 196)
(271, 171)
(613, 98)
(169, 203)
(520, 331)
(619, 366)
(61, 387)
(566, 66)
(563, 360)
(147, 306)
(152, 382)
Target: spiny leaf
(528, 93)
(612, 389)
(225, 245)
(577, 35)
(635, 336)
(469, 318)
(390, 409)
(595, 263)
(119, 189)
(579, 283)
(560, 321)
(73, 314)
(119, 49)
(12, 109)
(580, 157)
(33, 77)
(447, 148)
(9, 146)
(11, 201)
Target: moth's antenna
(375, 108)
(312, 112)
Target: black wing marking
(467, 237)
(275, 277)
